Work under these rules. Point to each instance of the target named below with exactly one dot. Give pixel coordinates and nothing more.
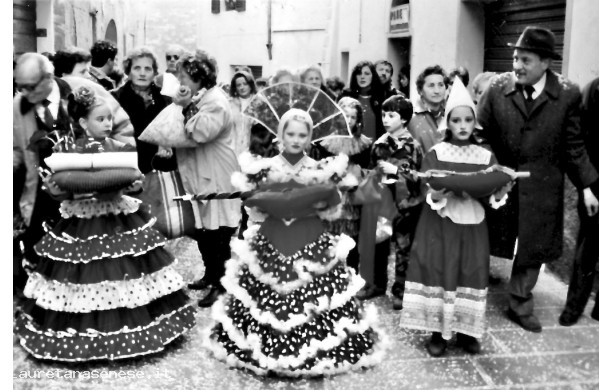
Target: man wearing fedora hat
(531, 118)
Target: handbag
(175, 218)
(368, 191)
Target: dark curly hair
(435, 69)
(233, 92)
(65, 60)
(101, 52)
(376, 87)
(200, 66)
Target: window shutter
(240, 5)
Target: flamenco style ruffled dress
(447, 280)
(105, 287)
(290, 308)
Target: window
(256, 70)
(215, 6)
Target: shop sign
(399, 18)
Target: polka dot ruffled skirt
(104, 289)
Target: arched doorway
(111, 32)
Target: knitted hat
(458, 97)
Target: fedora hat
(538, 40)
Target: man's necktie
(48, 116)
(529, 90)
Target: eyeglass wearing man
(173, 53)
(34, 83)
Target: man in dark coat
(531, 118)
(587, 243)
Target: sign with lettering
(399, 18)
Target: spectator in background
(432, 85)
(403, 80)
(103, 61)
(283, 75)
(173, 53)
(261, 83)
(365, 87)
(587, 244)
(384, 69)
(142, 100)
(462, 73)
(313, 76)
(241, 89)
(335, 85)
(72, 62)
(480, 84)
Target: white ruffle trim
(288, 363)
(320, 172)
(107, 295)
(435, 205)
(231, 283)
(103, 256)
(95, 333)
(303, 268)
(67, 238)
(92, 207)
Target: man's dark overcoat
(545, 141)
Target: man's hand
(591, 204)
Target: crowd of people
(290, 264)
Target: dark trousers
(404, 228)
(352, 259)
(522, 281)
(585, 264)
(214, 246)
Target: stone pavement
(558, 358)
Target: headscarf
(294, 114)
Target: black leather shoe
(198, 285)
(211, 297)
(568, 319)
(436, 345)
(528, 322)
(370, 292)
(468, 343)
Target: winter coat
(207, 168)
(545, 142)
(141, 116)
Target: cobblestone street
(558, 358)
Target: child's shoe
(468, 343)
(436, 345)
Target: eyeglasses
(32, 87)
(172, 57)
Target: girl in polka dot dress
(105, 288)
(290, 307)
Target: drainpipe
(269, 44)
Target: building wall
(70, 23)
(581, 46)
(300, 35)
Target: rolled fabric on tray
(105, 180)
(478, 185)
(80, 161)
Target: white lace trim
(106, 295)
(92, 207)
(468, 154)
(67, 238)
